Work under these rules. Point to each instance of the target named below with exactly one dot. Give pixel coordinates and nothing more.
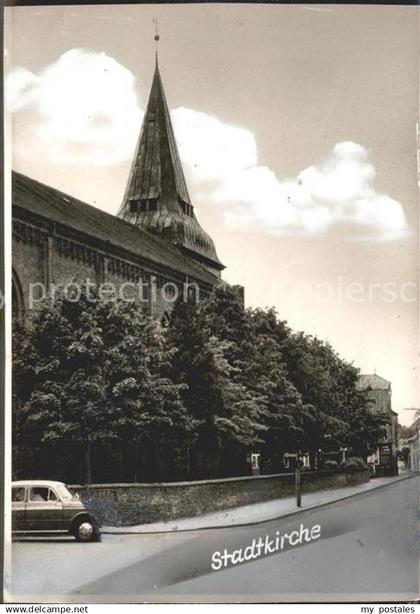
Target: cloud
(20, 87)
(211, 148)
(336, 193)
(80, 109)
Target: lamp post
(298, 488)
(343, 453)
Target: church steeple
(156, 196)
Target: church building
(155, 239)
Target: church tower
(156, 197)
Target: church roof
(156, 197)
(372, 382)
(47, 202)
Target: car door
(18, 508)
(44, 510)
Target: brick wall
(63, 257)
(29, 266)
(131, 504)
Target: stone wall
(132, 504)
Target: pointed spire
(156, 196)
(156, 171)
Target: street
(367, 549)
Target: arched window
(18, 302)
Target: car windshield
(63, 492)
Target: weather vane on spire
(156, 37)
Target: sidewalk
(257, 512)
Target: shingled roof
(53, 205)
(156, 170)
(156, 197)
(372, 382)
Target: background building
(378, 392)
(413, 444)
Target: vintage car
(43, 506)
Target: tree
(91, 372)
(341, 416)
(101, 378)
(285, 412)
(224, 408)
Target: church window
(186, 208)
(143, 206)
(134, 205)
(18, 302)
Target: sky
(297, 132)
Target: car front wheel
(85, 531)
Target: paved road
(367, 549)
